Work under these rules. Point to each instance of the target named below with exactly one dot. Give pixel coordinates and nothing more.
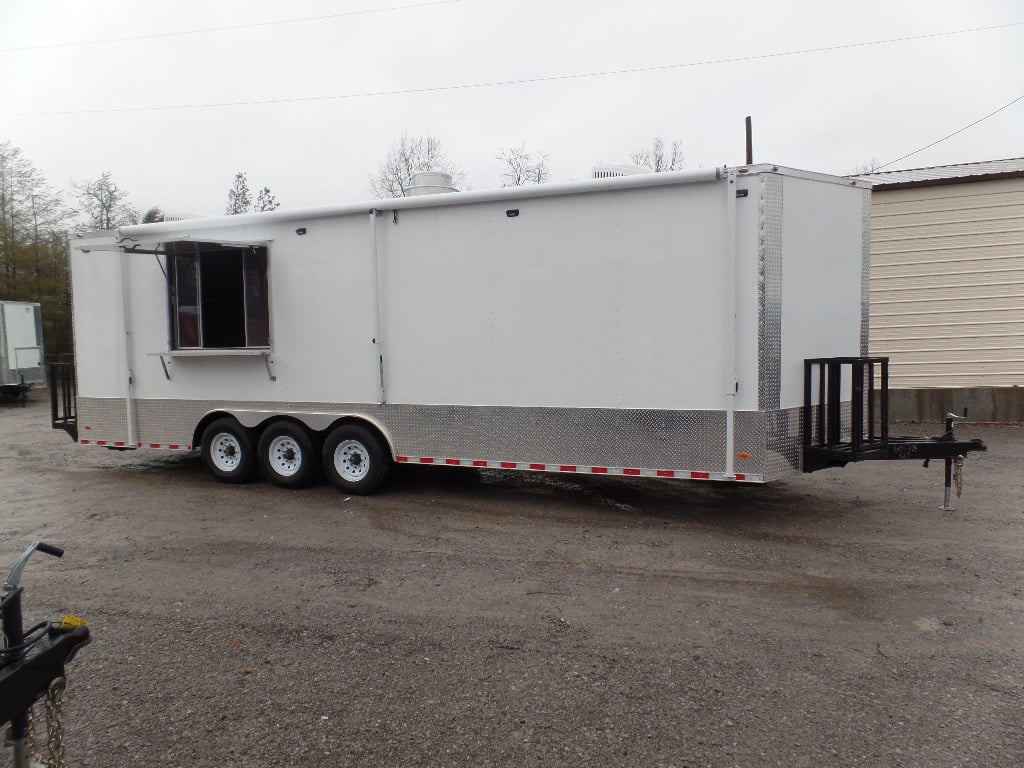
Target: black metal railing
(63, 398)
(829, 439)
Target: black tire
(228, 451)
(355, 459)
(288, 455)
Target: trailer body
(652, 325)
(22, 362)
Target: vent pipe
(430, 183)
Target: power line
(518, 81)
(227, 28)
(954, 133)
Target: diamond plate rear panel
(692, 440)
(769, 293)
(778, 437)
(784, 429)
(102, 418)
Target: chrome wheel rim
(351, 460)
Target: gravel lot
(468, 618)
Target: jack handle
(13, 580)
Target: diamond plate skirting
(691, 440)
(769, 293)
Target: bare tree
(410, 155)
(519, 167)
(104, 204)
(657, 159)
(265, 201)
(870, 166)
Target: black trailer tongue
(846, 419)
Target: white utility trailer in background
(22, 364)
(653, 325)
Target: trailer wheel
(288, 456)
(355, 460)
(228, 451)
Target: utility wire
(228, 28)
(518, 81)
(954, 133)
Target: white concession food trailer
(657, 325)
(21, 348)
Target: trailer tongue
(837, 432)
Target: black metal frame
(63, 399)
(30, 665)
(868, 437)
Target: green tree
(153, 215)
(265, 201)
(240, 198)
(34, 222)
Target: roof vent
(430, 183)
(611, 171)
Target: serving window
(219, 296)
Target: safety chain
(54, 705)
(30, 734)
(958, 475)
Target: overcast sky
(139, 108)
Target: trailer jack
(838, 431)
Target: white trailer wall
(21, 344)
(585, 323)
(824, 277)
(606, 300)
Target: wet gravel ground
(468, 618)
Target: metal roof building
(947, 287)
(946, 174)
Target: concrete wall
(977, 404)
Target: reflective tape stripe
(123, 444)
(574, 468)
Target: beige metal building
(947, 289)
